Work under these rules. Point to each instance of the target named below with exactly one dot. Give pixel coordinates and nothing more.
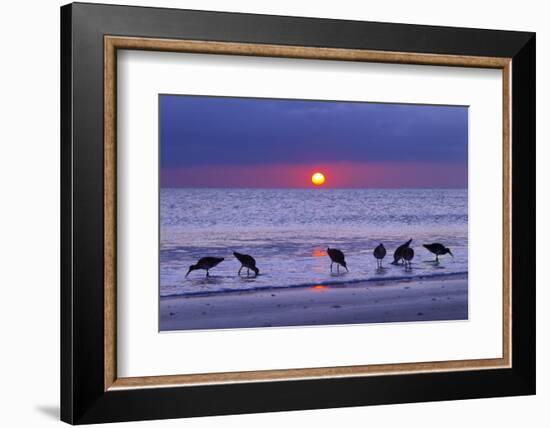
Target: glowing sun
(318, 178)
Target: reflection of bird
(437, 249)
(336, 256)
(379, 253)
(408, 254)
(398, 254)
(205, 263)
(247, 262)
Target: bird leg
(247, 272)
(239, 273)
(337, 268)
(330, 267)
(207, 274)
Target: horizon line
(316, 188)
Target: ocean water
(288, 231)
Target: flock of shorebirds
(402, 254)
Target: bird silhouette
(398, 253)
(205, 263)
(437, 249)
(337, 256)
(408, 255)
(247, 262)
(379, 253)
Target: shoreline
(334, 283)
(377, 301)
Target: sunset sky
(270, 143)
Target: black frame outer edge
(82, 397)
(524, 213)
(66, 368)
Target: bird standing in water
(379, 253)
(437, 249)
(247, 262)
(205, 263)
(398, 254)
(408, 255)
(337, 256)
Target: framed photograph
(316, 212)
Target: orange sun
(318, 178)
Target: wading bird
(247, 262)
(205, 263)
(408, 255)
(437, 249)
(398, 254)
(337, 256)
(379, 253)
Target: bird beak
(451, 253)
(188, 272)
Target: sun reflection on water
(318, 252)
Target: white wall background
(29, 217)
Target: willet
(398, 254)
(205, 263)
(379, 253)
(437, 249)
(337, 256)
(247, 262)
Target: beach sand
(367, 302)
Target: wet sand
(369, 302)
